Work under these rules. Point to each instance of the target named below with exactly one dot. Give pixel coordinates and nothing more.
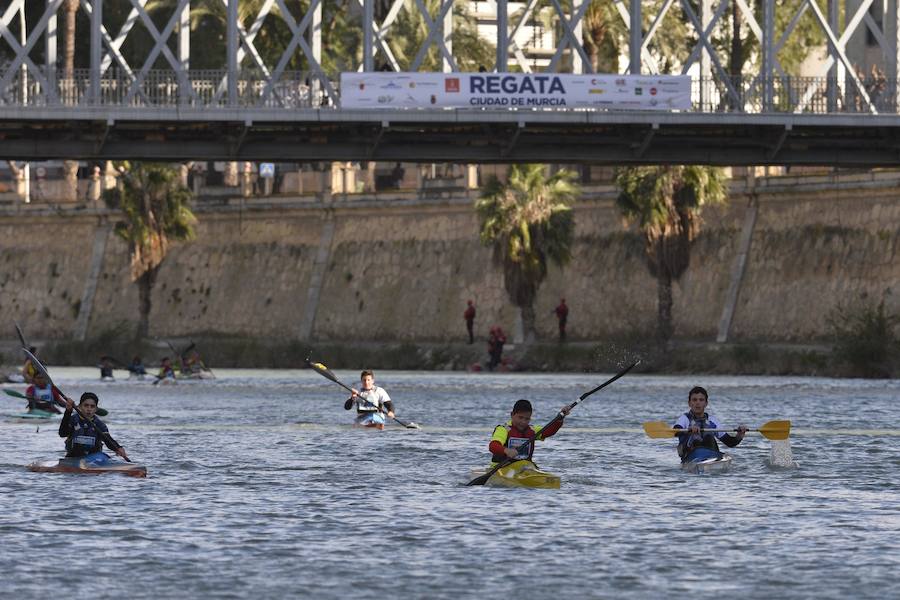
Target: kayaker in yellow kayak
(695, 420)
(371, 401)
(28, 369)
(86, 435)
(507, 439)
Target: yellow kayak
(520, 473)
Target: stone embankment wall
(391, 270)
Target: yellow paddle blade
(776, 430)
(320, 365)
(658, 429)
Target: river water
(258, 487)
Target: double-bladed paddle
(773, 430)
(41, 369)
(327, 374)
(482, 479)
(16, 394)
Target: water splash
(781, 456)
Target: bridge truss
(254, 107)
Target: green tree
(155, 211)
(528, 221)
(665, 202)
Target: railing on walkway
(208, 90)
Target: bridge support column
(635, 38)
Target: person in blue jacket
(85, 433)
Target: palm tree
(154, 207)
(528, 221)
(666, 202)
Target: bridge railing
(209, 90)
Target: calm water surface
(259, 487)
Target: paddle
(482, 479)
(326, 373)
(41, 369)
(16, 394)
(773, 430)
(21, 335)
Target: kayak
(95, 464)
(520, 473)
(372, 420)
(34, 416)
(704, 460)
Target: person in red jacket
(562, 314)
(515, 440)
(469, 316)
(43, 396)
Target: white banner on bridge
(515, 90)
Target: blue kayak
(96, 464)
(705, 460)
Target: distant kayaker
(696, 420)
(371, 401)
(106, 367)
(136, 367)
(28, 369)
(86, 434)
(42, 396)
(507, 439)
(165, 369)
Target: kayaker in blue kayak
(86, 435)
(371, 401)
(695, 421)
(507, 439)
(42, 396)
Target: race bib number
(515, 442)
(84, 440)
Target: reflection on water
(258, 486)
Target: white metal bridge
(110, 107)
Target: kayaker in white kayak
(88, 434)
(371, 401)
(41, 395)
(695, 420)
(507, 439)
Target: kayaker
(507, 439)
(28, 369)
(165, 369)
(136, 367)
(696, 420)
(42, 396)
(371, 401)
(86, 434)
(106, 367)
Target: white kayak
(704, 461)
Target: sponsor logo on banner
(451, 85)
(653, 91)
